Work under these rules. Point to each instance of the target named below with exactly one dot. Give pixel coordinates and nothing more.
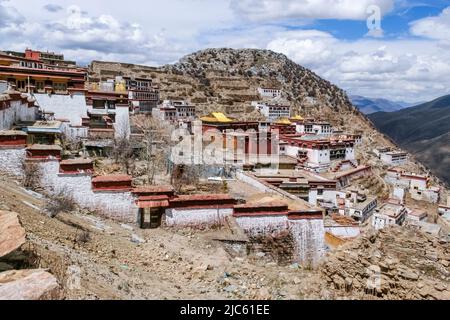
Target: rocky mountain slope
(368, 105)
(424, 130)
(394, 263)
(227, 80)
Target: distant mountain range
(424, 130)
(369, 105)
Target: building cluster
(419, 186)
(307, 169)
(64, 92)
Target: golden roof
(216, 117)
(297, 118)
(283, 121)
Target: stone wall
(263, 186)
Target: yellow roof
(283, 121)
(298, 117)
(216, 117)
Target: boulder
(12, 234)
(27, 285)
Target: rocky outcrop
(12, 234)
(20, 284)
(394, 263)
(27, 285)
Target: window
(21, 84)
(98, 104)
(40, 85)
(59, 86)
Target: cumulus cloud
(263, 10)
(53, 7)
(409, 70)
(311, 48)
(433, 27)
(84, 37)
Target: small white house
(389, 214)
(272, 112)
(394, 157)
(269, 92)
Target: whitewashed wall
(75, 132)
(308, 234)
(11, 161)
(309, 237)
(16, 112)
(262, 225)
(115, 205)
(349, 154)
(196, 217)
(72, 108)
(122, 125)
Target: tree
(156, 144)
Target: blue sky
(407, 59)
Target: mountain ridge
(424, 130)
(371, 105)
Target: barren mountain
(369, 105)
(423, 130)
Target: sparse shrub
(59, 202)
(83, 237)
(32, 174)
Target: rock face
(394, 263)
(27, 285)
(12, 234)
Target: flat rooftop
(390, 209)
(12, 133)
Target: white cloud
(9, 15)
(408, 69)
(433, 27)
(263, 10)
(307, 47)
(53, 7)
